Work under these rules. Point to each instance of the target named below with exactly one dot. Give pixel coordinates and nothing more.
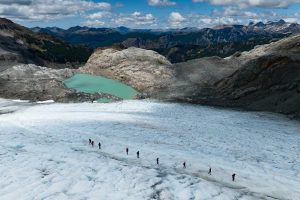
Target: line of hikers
(91, 142)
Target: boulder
(144, 70)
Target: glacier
(45, 154)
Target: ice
(46, 102)
(45, 154)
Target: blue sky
(147, 13)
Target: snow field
(45, 154)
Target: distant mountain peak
(5, 21)
(259, 24)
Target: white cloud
(93, 23)
(209, 21)
(161, 3)
(47, 10)
(292, 20)
(234, 15)
(295, 18)
(136, 19)
(102, 14)
(19, 2)
(253, 3)
(99, 15)
(176, 20)
(236, 12)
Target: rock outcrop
(265, 78)
(35, 83)
(268, 79)
(144, 70)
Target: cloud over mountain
(161, 3)
(176, 20)
(143, 13)
(135, 19)
(252, 3)
(47, 10)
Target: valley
(156, 100)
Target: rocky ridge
(265, 78)
(179, 45)
(19, 44)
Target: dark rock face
(21, 45)
(265, 78)
(271, 83)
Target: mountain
(180, 45)
(19, 44)
(265, 78)
(268, 78)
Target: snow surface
(44, 152)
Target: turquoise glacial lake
(92, 84)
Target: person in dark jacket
(127, 150)
(99, 145)
(138, 154)
(184, 165)
(233, 177)
(92, 143)
(209, 171)
(157, 161)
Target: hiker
(90, 141)
(233, 177)
(157, 161)
(209, 171)
(99, 145)
(138, 154)
(127, 150)
(184, 166)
